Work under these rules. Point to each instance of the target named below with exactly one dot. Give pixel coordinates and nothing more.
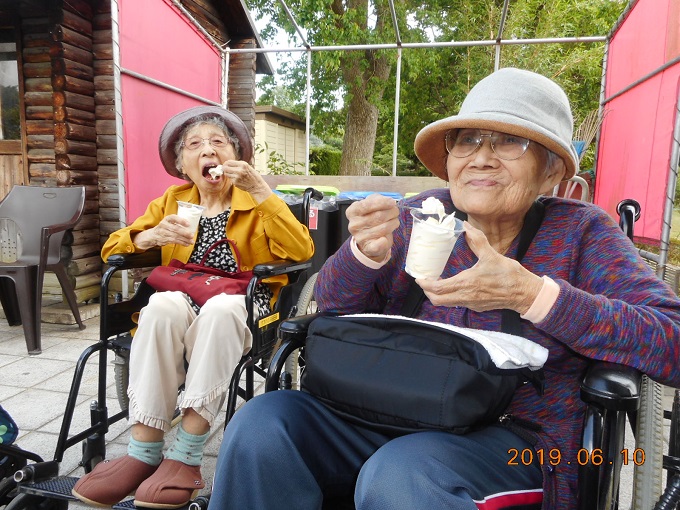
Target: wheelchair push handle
(629, 212)
(307, 196)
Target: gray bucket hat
(173, 129)
(513, 101)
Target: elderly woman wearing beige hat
(173, 330)
(581, 291)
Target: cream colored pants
(169, 333)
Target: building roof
(271, 110)
(232, 17)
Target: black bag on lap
(399, 376)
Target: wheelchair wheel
(7, 486)
(305, 306)
(306, 303)
(647, 475)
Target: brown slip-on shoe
(111, 480)
(173, 485)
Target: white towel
(505, 350)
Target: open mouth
(212, 172)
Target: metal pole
(603, 83)
(501, 26)
(397, 93)
(396, 115)
(167, 86)
(644, 78)
(308, 49)
(394, 22)
(670, 195)
(426, 45)
(308, 110)
(224, 93)
(118, 106)
(292, 20)
(196, 24)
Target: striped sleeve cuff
(544, 301)
(365, 260)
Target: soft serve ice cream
(433, 236)
(215, 171)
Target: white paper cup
(430, 246)
(191, 212)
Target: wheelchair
(38, 484)
(612, 394)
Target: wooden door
(11, 170)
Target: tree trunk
(365, 74)
(359, 140)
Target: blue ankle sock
(151, 453)
(187, 448)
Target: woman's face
(214, 149)
(491, 189)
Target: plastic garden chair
(33, 221)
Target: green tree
(434, 81)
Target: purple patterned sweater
(611, 307)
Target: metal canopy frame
(398, 45)
(306, 47)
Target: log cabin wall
(105, 110)
(60, 136)
(75, 135)
(241, 85)
(242, 67)
(37, 80)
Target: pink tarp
(636, 136)
(157, 41)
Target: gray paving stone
(34, 390)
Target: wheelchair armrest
(279, 267)
(612, 386)
(291, 330)
(149, 258)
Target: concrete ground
(34, 390)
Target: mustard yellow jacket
(263, 232)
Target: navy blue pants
(286, 450)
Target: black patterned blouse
(211, 230)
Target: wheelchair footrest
(55, 488)
(130, 503)
(60, 488)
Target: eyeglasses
(461, 143)
(195, 143)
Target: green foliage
(434, 81)
(325, 160)
(11, 123)
(280, 96)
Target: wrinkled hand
(246, 178)
(494, 282)
(371, 222)
(172, 229)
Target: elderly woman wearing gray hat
(581, 290)
(172, 329)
